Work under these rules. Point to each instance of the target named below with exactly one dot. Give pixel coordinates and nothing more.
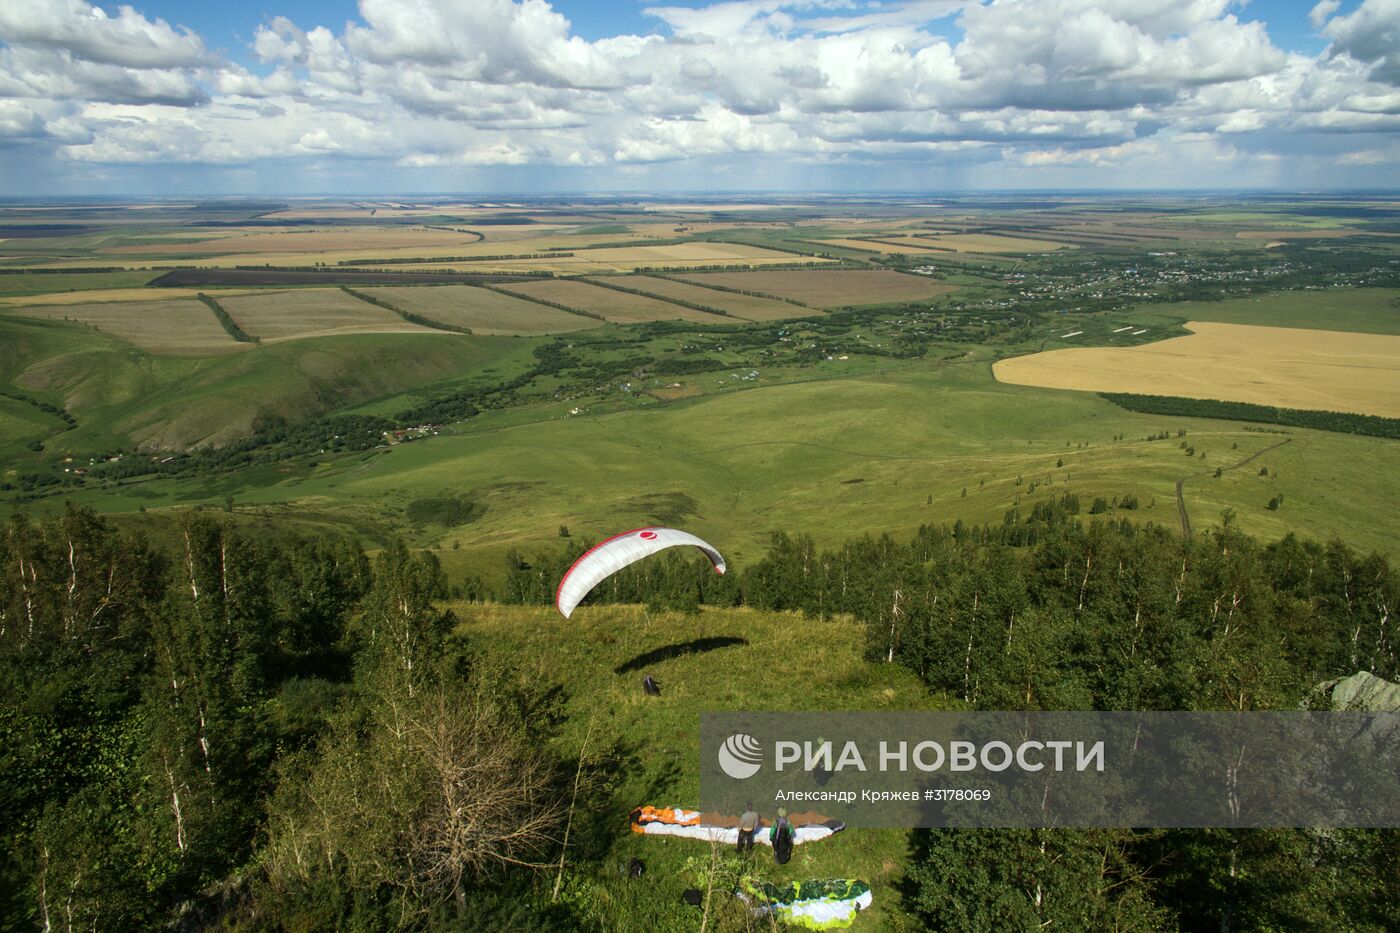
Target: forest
(218, 728)
(1341, 421)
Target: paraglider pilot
(781, 835)
(748, 825)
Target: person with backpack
(781, 835)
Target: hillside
(714, 660)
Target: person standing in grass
(781, 834)
(748, 825)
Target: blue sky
(318, 96)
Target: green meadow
(121, 395)
(837, 458)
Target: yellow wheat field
(1285, 366)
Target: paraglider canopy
(607, 558)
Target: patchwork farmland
(482, 310)
(749, 307)
(992, 243)
(313, 312)
(614, 306)
(823, 288)
(165, 328)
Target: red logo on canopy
(648, 535)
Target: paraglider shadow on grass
(680, 649)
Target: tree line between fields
(224, 729)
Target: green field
(20, 421)
(835, 458)
(34, 283)
(121, 395)
(1362, 310)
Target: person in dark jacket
(782, 835)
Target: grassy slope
(20, 421)
(788, 663)
(121, 395)
(736, 466)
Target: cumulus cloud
(1370, 34)
(1028, 84)
(18, 121)
(72, 50)
(88, 33)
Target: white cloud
(1325, 8)
(56, 74)
(18, 121)
(1062, 85)
(489, 40)
(86, 32)
(1370, 34)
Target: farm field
(292, 240)
(1310, 234)
(617, 307)
(883, 245)
(174, 328)
(314, 312)
(828, 288)
(1287, 367)
(43, 285)
(749, 307)
(106, 295)
(1358, 310)
(992, 243)
(424, 247)
(482, 310)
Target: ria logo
(740, 756)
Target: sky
(313, 97)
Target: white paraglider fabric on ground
(689, 824)
(605, 559)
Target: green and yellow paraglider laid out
(816, 905)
